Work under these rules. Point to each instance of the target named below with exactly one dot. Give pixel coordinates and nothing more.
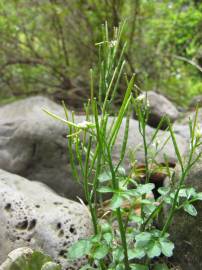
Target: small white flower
(86, 124)
(142, 98)
(112, 43)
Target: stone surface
(197, 100)
(32, 215)
(160, 106)
(186, 231)
(34, 145)
(181, 126)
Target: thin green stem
(115, 185)
(86, 188)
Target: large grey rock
(181, 126)
(186, 231)
(197, 100)
(160, 106)
(32, 215)
(34, 145)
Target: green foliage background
(47, 47)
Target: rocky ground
(37, 187)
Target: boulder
(160, 106)
(34, 145)
(197, 100)
(186, 230)
(181, 126)
(33, 216)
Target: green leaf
(105, 189)
(139, 267)
(187, 192)
(142, 239)
(96, 238)
(153, 249)
(107, 237)
(161, 266)
(118, 254)
(163, 190)
(35, 261)
(146, 188)
(149, 208)
(147, 201)
(136, 219)
(168, 200)
(199, 196)
(105, 176)
(136, 253)
(166, 247)
(190, 209)
(132, 192)
(100, 252)
(116, 201)
(105, 227)
(79, 249)
(120, 266)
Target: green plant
(32, 260)
(124, 236)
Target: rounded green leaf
(100, 252)
(107, 237)
(153, 249)
(79, 249)
(105, 176)
(118, 254)
(136, 253)
(142, 239)
(167, 247)
(146, 188)
(105, 227)
(116, 201)
(163, 190)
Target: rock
(181, 126)
(160, 106)
(197, 100)
(135, 143)
(33, 216)
(34, 145)
(186, 231)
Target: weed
(124, 236)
